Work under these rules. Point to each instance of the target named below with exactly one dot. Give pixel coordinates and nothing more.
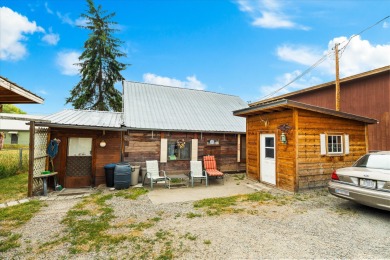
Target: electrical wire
(323, 58)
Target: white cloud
(285, 79)
(13, 28)
(66, 61)
(51, 38)
(268, 14)
(43, 92)
(192, 81)
(358, 56)
(385, 25)
(300, 54)
(48, 9)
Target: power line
(323, 58)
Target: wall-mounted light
(103, 143)
(283, 138)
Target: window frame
(188, 145)
(332, 144)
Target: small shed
(296, 146)
(89, 140)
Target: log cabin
(295, 146)
(169, 124)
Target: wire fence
(13, 161)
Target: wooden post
(337, 77)
(31, 159)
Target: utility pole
(336, 48)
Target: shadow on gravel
(360, 209)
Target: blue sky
(247, 48)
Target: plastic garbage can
(122, 176)
(109, 172)
(135, 175)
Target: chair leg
(206, 181)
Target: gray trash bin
(135, 175)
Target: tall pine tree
(99, 67)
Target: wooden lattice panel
(40, 145)
(78, 166)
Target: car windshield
(376, 161)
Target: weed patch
(13, 217)
(132, 194)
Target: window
(14, 138)
(270, 147)
(179, 150)
(335, 144)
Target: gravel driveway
(313, 225)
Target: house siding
(140, 146)
(299, 163)
(368, 96)
(100, 156)
(313, 169)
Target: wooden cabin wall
(100, 156)
(140, 146)
(367, 97)
(285, 153)
(314, 170)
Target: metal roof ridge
(166, 86)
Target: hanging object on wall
(285, 128)
(52, 151)
(180, 143)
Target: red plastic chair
(210, 166)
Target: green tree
(99, 67)
(8, 108)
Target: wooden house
(366, 94)
(168, 124)
(89, 140)
(295, 146)
(16, 131)
(175, 125)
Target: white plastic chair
(197, 173)
(153, 174)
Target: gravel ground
(316, 226)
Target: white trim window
(335, 144)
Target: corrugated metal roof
(16, 121)
(85, 119)
(149, 106)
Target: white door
(267, 158)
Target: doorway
(79, 163)
(267, 158)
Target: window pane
(335, 144)
(269, 142)
(269, 153)
(176, 153)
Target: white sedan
(366, 182)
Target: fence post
(20, 158)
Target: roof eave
(20, 91)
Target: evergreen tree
(98, 65)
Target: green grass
(13, 217)
(13, 187)
(132, 194)
(227, 205)
(9, 162)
